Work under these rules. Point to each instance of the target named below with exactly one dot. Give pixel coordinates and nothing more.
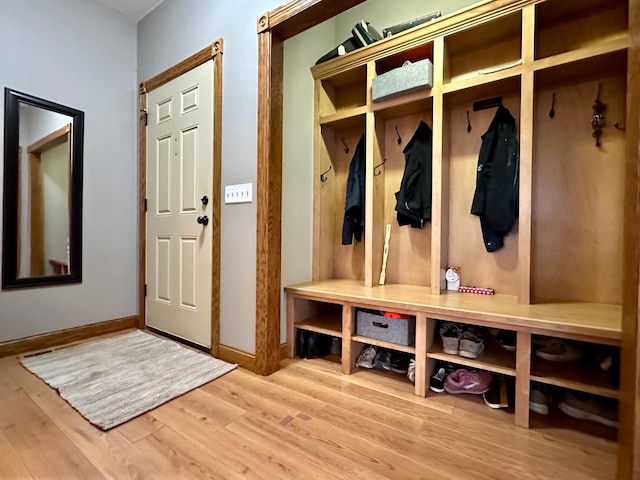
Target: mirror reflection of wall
(44, 192)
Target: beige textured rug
(116, 379)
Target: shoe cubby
(494, 358)
(563, 26)
(581, 366)
(491, 47)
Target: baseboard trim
(53, 339)
(284, 351)
(233, 355)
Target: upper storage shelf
(343, 93)
(563, 26)
(491, 47)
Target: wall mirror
(42, 203)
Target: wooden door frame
(296, 16)
(36, 214)
(211, 52)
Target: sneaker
(496, 396)
(411, 371)
(540, 398)
(366, 358)
(382, 360)
(450, 334)
(556, 350)
(471, 345)
(587, 407)
(436, 383)
(507, 340)
(400, 363)
(464, 381)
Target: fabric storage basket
(407, 78)
(394, 330)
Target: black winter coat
(413, 200)
(497, 180)
(354, 205)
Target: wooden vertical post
(269, 196)
(350, 350)
(526, 156)
(440, 188)
(523, 372)
(629, 412)
(421, 355)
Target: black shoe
(436, 383)
(507, 340)
(400, 363)
(303, 336)
(501, 394)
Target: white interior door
(179, 175)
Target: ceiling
(135, 9)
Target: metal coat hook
(597, 119)
(346, 147)
(323, 176)
(618, 127)
(468, 122)
(378, 166)
(399, 140)
(552, 112)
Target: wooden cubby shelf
(326, 325)
(559, 272)
(493, 359)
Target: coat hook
(399, 138)
(346, 147)
(618, 127)
(597, 119)
(552, 112)
(323, 176)
(378, 166)
(468, 122)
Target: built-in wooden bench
(329, 307)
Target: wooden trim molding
(233, 355)
(55, 138)
(284, 351)
(61, 337)
(629, 410)
(212, 52)
(187, 64)
(273, 28)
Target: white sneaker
(539, 399)
(367, 357)
(411, 372)
(471, 346)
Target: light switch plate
(240, 193)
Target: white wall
(83, 55)
(169, 34)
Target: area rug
(113, 380)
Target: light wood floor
(306, 421)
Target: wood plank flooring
(307, 421)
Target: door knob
(203, 220)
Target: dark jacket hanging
(497, 180)
(354, 204)
(413, 200)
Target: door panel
(180, 173)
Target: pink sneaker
(464, 381)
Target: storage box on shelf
(558, 273)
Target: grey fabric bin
(379, 327)
(407, 78)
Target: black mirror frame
(10, 277)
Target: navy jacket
(413, 200)
(497, 180)
(354, 205)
